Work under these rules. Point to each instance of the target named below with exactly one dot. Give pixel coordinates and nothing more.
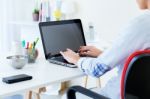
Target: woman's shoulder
(137, 26)
(143, 18)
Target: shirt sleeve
(93, 66)
(123, 46)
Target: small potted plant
(35, 14)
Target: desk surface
(43, 72)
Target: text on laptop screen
(58, 37)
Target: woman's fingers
(83, 53)
(69, 50)
(83, 48)
(86, 53)
(62, 53)
(70, 56)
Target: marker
(36, 41)
(33, 48)
(27, 45)
(33, 45)
(30, 46)
(23, 43)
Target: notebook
(58, 36)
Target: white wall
(108, 16)
(6, 15)
(23, 9)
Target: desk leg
(63, 87)
(43, 89)
(98, 82)
(37, 96)
(28, 95)
(85, 81)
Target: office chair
(135, 80)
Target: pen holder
(32, 55)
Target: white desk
(43, 72)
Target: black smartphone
(16, 78)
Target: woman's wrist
(76, 60)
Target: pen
(23, 43)
(33, 48)
(27, 45)
(36, 41)
(30, 46)
(33, 45)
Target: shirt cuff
(80, 63)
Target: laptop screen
(59, 35)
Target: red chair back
(126, 69)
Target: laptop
(58, 36)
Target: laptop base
(62, 63)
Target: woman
(136, 36)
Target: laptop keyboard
(61, 61)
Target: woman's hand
(89, 51)
(70, 56)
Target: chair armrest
(72, 90)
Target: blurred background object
(68, 8)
